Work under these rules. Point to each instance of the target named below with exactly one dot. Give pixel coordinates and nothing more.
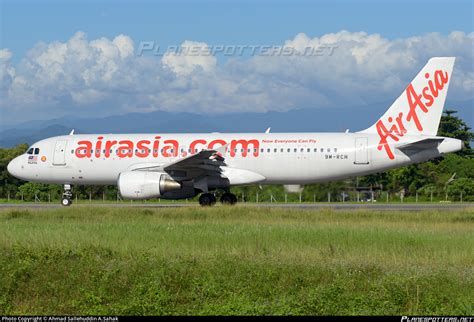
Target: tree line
(447, 177)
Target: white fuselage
(270, 158)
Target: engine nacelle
(146, 184)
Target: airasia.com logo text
(416, 102)
(156, 147)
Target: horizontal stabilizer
(415, 147)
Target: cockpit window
(37, 150)
(30, 151)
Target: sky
(110, 57)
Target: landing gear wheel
(66, 202)
(207, 199)
(228, 199)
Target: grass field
(241, 260)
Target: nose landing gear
(66, 200)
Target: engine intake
(146, 184)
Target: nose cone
(14, 167)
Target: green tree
(8, 183)
(454, 127)
(42, 191)
(464, 186)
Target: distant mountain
(303, 120)
(12, 137)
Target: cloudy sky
(97, 58)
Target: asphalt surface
(336, 206)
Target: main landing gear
(66, 200)
(208, 199)
(228, 199)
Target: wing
(418, 146)
(208, 162)
(205, 168)
(203, 163)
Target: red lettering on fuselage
(108, 147)
(193, 144)
(125, 149)
(170, 148)
(244, 146)
(98, 146)
(212, 144)
(142, 149)
(156, 145)
(416, 103)
(84, 149)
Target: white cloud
(7, 73)
(192, 55)
(104, 76)
(5, 54)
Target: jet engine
(147, 184)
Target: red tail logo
(416, 102)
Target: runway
(307, 206)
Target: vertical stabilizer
(417, 111)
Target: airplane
(178, 166)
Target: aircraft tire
(66, 202)
(207, 199)
(228, 199)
